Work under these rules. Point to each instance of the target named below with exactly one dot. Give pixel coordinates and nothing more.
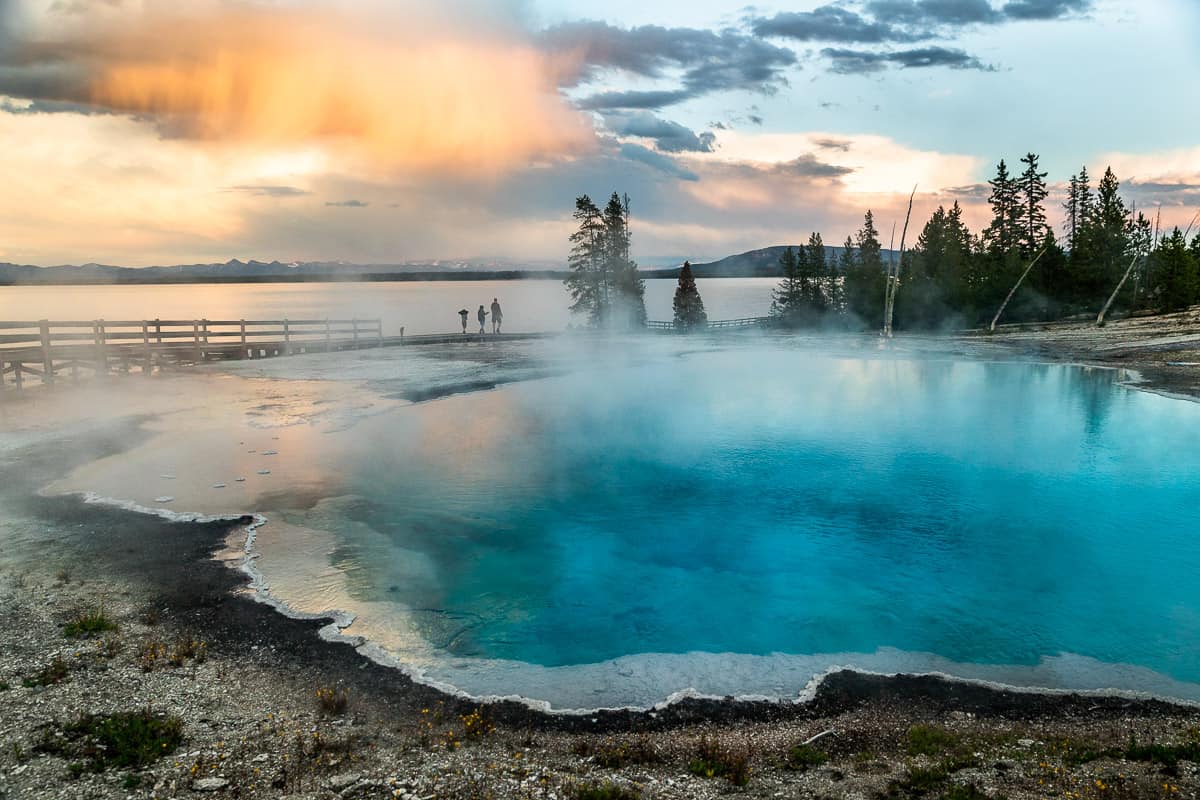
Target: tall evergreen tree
(787, 299)
(1003, 235)
(1175, 273)
(1032, 194)
(585, 283)
(865, 280)
(818, 271)
(689, 307)
(1086, 199)
(1072, 208)
(628, 290)
(604, 282)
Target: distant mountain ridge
(761, 263)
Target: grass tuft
(332, 702)
(618, 753)
(89, 623)
(604, 791)
(716, 759)
(930, 740)
(804, 757)
(126, 740)
(53, 673)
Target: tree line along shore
(1110, 258)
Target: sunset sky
(175, 131)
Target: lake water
(732, 519)
(421, 307)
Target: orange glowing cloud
(405, 97)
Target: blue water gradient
(777, 501)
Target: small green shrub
(615, 754)
(332, 701)
(921, 781)
(604, 791)
(126, 740)
(53, 673)
(804, 757)
(89, 623)
(1076, 752)
(1169, 755)
(716, 759)
(968, 792)
(929, 740)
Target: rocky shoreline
(237, 700)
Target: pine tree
(1003, 235)
(846, 261)
(689, 308)
(604, 283)
(1072, 209)
(787, 299)
(1175, 273)
(819, 270)
(1086, 199)
(586, 262)
(627, 289)
(865, 280)
(1032, 194)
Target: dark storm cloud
(348, 204)
(1045, 9)
(852, 62)
(657, 161)
(273, 191)
(669, 137)
(833, 144)
(809, 166)
(633, 99)
(710, 61)
(829, 24)
(898, 21)
(931, 13)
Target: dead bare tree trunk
(894, 274)
(1021, 280)
(1117, 291)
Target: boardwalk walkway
(49, 351)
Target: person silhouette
(464, 314)
(497, 315)
(482, 315)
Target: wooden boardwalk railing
(744, 322)
(46, 349)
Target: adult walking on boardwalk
(482, 315)
(497, 315)
(464, 314)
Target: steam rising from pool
(736, 521)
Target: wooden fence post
(379, 332)
(245, 352)
(47, 358)
(287, 338)
(196, 340)
(148, 365)
(101, 352)
(17, 373)
(158, 330)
